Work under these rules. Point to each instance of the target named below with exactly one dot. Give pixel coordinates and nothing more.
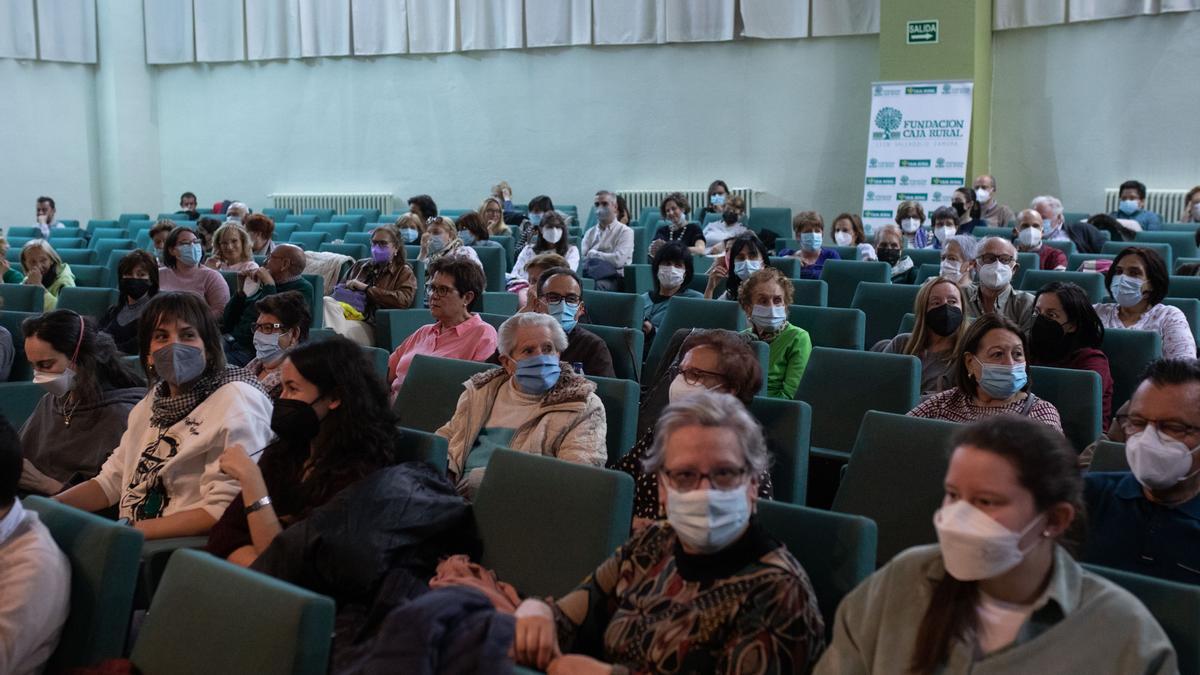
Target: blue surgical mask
(266, 346)
(410, 234)
(468, 239)
(1127, 290)
(811, 241)
(717, 200)
(190, 254)
(565, 312)
(535, 219)
(436, 244)
(603, 213)
(744, 268)
(768, 318)
(1128, 206)
(1001, 381)
(538, 374)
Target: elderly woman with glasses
(706, 591)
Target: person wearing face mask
(1029, 234)
(945, 226)
(608, 247)
(1191, 206)
(538, 208)
(473, 233)
(966, 209)
(90, 390)
(281, 272)
(1132, 206)
(384, 280)
(674, 210)
(744, 256)
(411, 229)
(164, 475)
(711, 583)
(1084, 235)
(1138, 281)
(282, 325)
(1067, 333)
(332, 428)
(910, 218)
(993, 293)
(138, 274)
(718, 198)
(672, 269)
(809, 229)
(848, 230)
(1148, 520)
(999, 592)
(533, 403)
(990, 378)
(765, 298)
(43, 267)
(551, 238)
(236, 212)
(440, 240)
(958, 258)
(491, 213)
(992, 212)
(889, 247)
(182, 271)
(939, 326)
(728, 226)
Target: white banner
(917, 146)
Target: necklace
(68, 411)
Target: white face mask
(995, 276)
(910, 225)
(843, 238)
(1158, 461)
(57, 384)
(768, 317)
(670, 277)
(680, 389)
(975, 546)
(1029, 237)
(552, 234)
(708, 520)
(982, 195)
(250, 287)
(951, 270)
(945, 232)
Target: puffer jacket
(570, 424)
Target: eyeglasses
(989, 258)
(269, 328)
(381, 242)
(570, 299)
(703, 378)
(724, 478)
(1133, 424)
(439, 291)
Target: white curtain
(432, 26)
(380, 26)
(775, 18)
(18, 32)
(1090, 10)
(491, 24)
(844, 17)
(1028, 13)
(169, 32)
(67, 30)
(272, 29)
(324, 28)
(220, 30)
(553, 23)
(699, 20)
(628, 21)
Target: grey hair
(235, 205)
(968, 244)
(607, 193)
(890, 227)
(712, 410)
(507, 335)
(1054, 203)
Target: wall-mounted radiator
(651, 199)
(1166, 203)
(338, 201)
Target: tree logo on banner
(888, 120)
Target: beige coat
(570, 424)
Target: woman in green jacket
(765, 298)
(43, 267)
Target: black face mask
(944, 320)
(960, 208)
(295, 421)
(135, 288)
(889, 255)
(730, 217)
(1049, 341)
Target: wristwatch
(258, 505)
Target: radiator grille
(1166, 203)
(338, 201)
(651, 199)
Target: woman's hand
(33, 276)
(237, 464)
(535, 640)
(578, 664)
(33, 480)
(356, 285)
(213, 262)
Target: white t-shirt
(35, 592)
(716, 232)
(527, 254)
(999, 622)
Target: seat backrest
(1183, 244)
(884, 304)
(334, 230)
(1028, 261)
(77, 256)
(18, 399)
(351, 219)
(21, 370)
(836, 550)
(276, 215)
(1109, 456)
(1129, 352)
(841, 385)
(322, 215)
(1065, 245)
(430, 391)
(691, 313)
(639, 278)
(620, 399)
(393, 326)
(95, 276)
(308, 220)
(222, 630)
(581, 515)
(625, 346)
(22, 231)
(831, 326)
(895, 476)
(104, 560)
(379, 359)
(369, 215)
(1090, 282)
(1077, 394)
(1175, 606)
(501, 303)
(1184, 287)
(427, 445)
(786, 428)
(356, 251)
(613, 309)
(924, 256)
(22, 297)
(1164, 250)
(91, 302)
(124, 218)
(843, 277)
(1191, 309)
(494, 266)
(363, 238)
(925, 272)
(811, 292)
(789, 265)
(284, 231)
(318, 285)
(108, 233)
(777, 220)
(309, 241)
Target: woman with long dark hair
(746, 255)
(333, 427)
(138, 283)
(1067, 333)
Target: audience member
(530, 404)
(158, 237)
(1086, 238)
(34, 573)
(206, 230)
(502, 193)
(995, 263)
(968, 210)
(440, 240)
(1029, 235)
(910, 218)
(672, 270)
(551, 237)
(608, 247)
(998, 593)
(718, 232)
(539, 207)
(534, 269)
(675, 209)
(8, 275)
(282, 325)
(423, 207)
(332, 428)
(848, 230)
(187, 206)
(809, 229)
(456, 333)
(958, 258)
(1066, 333)
(410, 228)
(992, 212)
(232, 250)
(1138, 281)
(89, 393)
(1133, 206)
(744, 256)
(383, 281)
(45, 215)
(709, 583)
(717, 198)
(558, 292)
(138, 283)
(165, 474)
(766, 298)
(989, 378)
(623, 216)
(889, 243)
(491, 211)
(237, 212)
(182, 271)
(945, 226)
(8, 352)
(281, 272)
(938, 329)
(1191, 206)
(261, 230)
(1148, 521)
(472, 231)
(43, 267)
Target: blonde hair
(499, 228)
(545, 261)
(920, 334)
(412, 220)
(807, 219)
(46, 248)
(247, 253)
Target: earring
(1046, 533)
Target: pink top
(471, 340)
(1167, 320)
(203, 281)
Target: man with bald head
(280, 272)
(992, 292)
(995, 213)
(1030, 235)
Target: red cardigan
(1088, 358)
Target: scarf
(168, 410)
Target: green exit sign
(923, 32)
